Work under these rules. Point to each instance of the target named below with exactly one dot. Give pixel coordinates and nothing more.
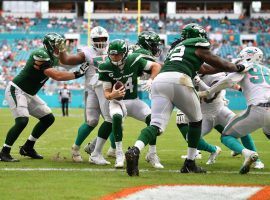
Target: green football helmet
(116, 47)
(193, 30)
(50, 40)
(149, 40)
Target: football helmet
(193, 30)
(251, 54)
(99, 38)
(149, 40)
(118, 47)
(50, 41)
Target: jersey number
(128, 85)
(259, 75)
(177, 53)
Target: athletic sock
(99, 146)
(232, 143)
(203, 145)
(105, 130)
(43, 124)
(112, 140)
(191, 153)
(183, 128)
(117, 127)
(248, 142)
(148, 134)
(83, 132)
(194, 135)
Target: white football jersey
(91, 76)
(210, 105)
(255, 84)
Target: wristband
(240, 67)
(77, 74)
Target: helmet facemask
(151, 41)
(99, 39)
(49, 43)
(117, 52)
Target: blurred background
(232, 25)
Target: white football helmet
(99, 38)
(251, 55)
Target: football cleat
(120, 158)
(132, 158)
(111, 153)
(6, 157)
(191, 167)
(258, 165)
(153, 159)
(197, 157)
(75, 153)
(98, 160)
(213, 156)
(90, 147)
(30, 152)
(249, 160)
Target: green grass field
(87, 181)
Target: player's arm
(61, 75)
(216, 63)
(228, 82)
(71, 59)
(154, 67)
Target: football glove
(83, 68)
(60, 44)
(147, 86)
(196, 80)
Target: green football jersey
(182, 57)
(30, 79)
(145, 53)
(133, 67)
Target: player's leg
(161, 108)
(39, 110)
(63, 107)
(140, 110)
(248, 121)
(188, 103)
(17, 101)
(66, 105)
(117, 112)
(104, 131)
(92, 113)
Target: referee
(65, 99)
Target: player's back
(182, 57)
(256, 84)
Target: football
(118, 85)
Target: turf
(86, 181)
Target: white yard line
(121, 170)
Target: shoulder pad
(41, 55)
(196, 42)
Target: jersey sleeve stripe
(40, 59)
(202, 44)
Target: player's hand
(243, 66)
(147, 86)
(196, 80)
(60, 44)
(203, 94)
(118, 93)
(83, 68)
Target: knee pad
(47, 119)
(92, 122)
(196, 124)
(21, 122)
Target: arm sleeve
(227, 82)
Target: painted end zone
(203, 192)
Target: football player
(95, 102)
(216, 115)
(21, 95)
(173, 87)
(255, 84)
(148, 45)
(126, 68)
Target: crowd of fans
(13, 54)
(123, 24)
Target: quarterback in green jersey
(173, 87)
(21, 95)
(149, 46)
(124, 101)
